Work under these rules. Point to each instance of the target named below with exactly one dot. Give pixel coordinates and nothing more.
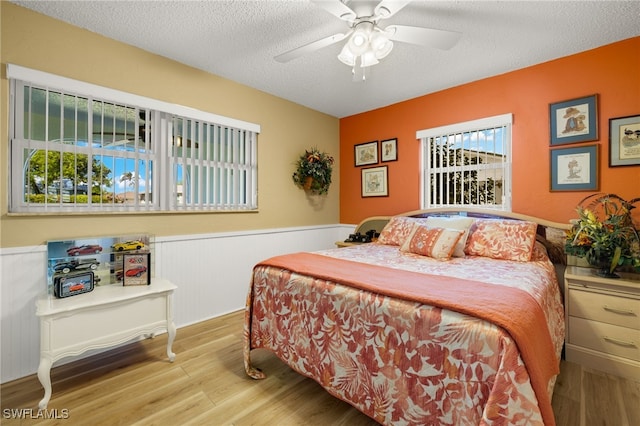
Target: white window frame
(240, 168)
(458, 130)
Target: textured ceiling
(238, 40)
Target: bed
(450, 317)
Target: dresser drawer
(612, 339)
(611, 309)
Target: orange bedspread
(512, 309)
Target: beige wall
(39, 42)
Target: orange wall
(611, 72)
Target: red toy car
(85, 249)
(136, 271)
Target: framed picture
(624, 141)
(366, 153)
(574, 121)
(136, 269)
(375, 182)
(574, 169)
(389, 150)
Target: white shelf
(105, 317)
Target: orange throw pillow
(438, 243)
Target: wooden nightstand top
(577, 274)
(347, 244)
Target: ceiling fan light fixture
(359, 42)
(366, 46)
(368, 58)
(381, 45)
(346, 56)
(359, 39)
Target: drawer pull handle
(619, 311)
(620, 342)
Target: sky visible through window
(490, 141)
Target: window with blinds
(75, 152)
(212, 166)
(467, 164)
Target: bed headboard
(550, 234)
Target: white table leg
(44, 375)
(171, 331)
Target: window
(467, 164)
(77, 147)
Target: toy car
(136, 271)
(65, 285)
(128, 245)
(85, 249)
(68, 266)
(76, 287)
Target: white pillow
(453, 222)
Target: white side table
(108, 316)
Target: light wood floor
(206, 385)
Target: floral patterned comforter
(398, 361)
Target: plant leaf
(615, 259)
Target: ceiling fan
(108, 131)
(127, 137)
(368, 42)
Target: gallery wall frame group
(575, 153)
(375, 180)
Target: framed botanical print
(375, 182)
(366, 153)
(574, 169)
(389, 150)
(624, 141)
(574, 121)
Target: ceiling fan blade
(336, 8)
(429, 37)
(387, 8)
(311, 47)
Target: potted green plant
(313, 171)
(604, 234)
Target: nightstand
(376, 223)
(603, 321)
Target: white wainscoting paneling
(22, 279)
(212, 272)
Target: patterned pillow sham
(453, 222)
(539, 252)
(502, 239)
(438, 243)
(396, 231)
